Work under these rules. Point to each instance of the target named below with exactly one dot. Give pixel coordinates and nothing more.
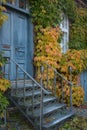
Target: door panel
(6, 39)
(5, 32)
(20, 40)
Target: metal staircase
(37, 103)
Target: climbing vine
(47, 48)
(46, 15)
(45, 12)
(4, 83)
(3, 17)
(78, 31)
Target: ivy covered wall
(48, 13)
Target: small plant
(4, 85)
(3, 17)
(77, 123)
(77, 94)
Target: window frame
(65, 29)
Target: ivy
(78, 31)
(46, 16)
(45, 12)
(69, 8)
(3, 17)
(4, 83)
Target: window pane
(11, 1)
(65, 38)
(22, 4)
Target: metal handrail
(30, 76)
(40, 85)
(69, 82)
(63, 78)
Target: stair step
(22, 86)
(57, 120)
(48, 109)
(21, 81)
(37, 102)
(27, 94)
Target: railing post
(47, 76)
(9, 69)
(54, 83)
(70, 72)
(24, 88)
(41, 103)
(62, 90)
(33, 98)
(16, 77)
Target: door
(6, 33)
(14, 40)
(20, 40)
(84, 83)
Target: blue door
(20, 40)
(6, 38)
(84, 83)
(16, 42)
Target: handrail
(69, 82)
(30, 76)
(63, 78)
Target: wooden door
(14, 40)
(20, 40)
(6, 40)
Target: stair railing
(53, 82)
(17, 72)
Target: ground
(15, 121)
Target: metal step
(26, 94)
(37, 101)
(21, 81)
(47, 109)
(57, 120)
(22, 86)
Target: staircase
(38, 104)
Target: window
(65, 29)
(22, 4)
(18, 3)
(11, 2)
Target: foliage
(77, 59)
(78, 31)
(3, 17)
(45, 12)
(4, 85)
(3, 103)
(46, 16)
(69, 8)
(47, 48)
(76, 90)
(77, 123)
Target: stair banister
(33, 82)
(38, 111)
(29, 76)
(62, 78)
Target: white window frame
(65, 29)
